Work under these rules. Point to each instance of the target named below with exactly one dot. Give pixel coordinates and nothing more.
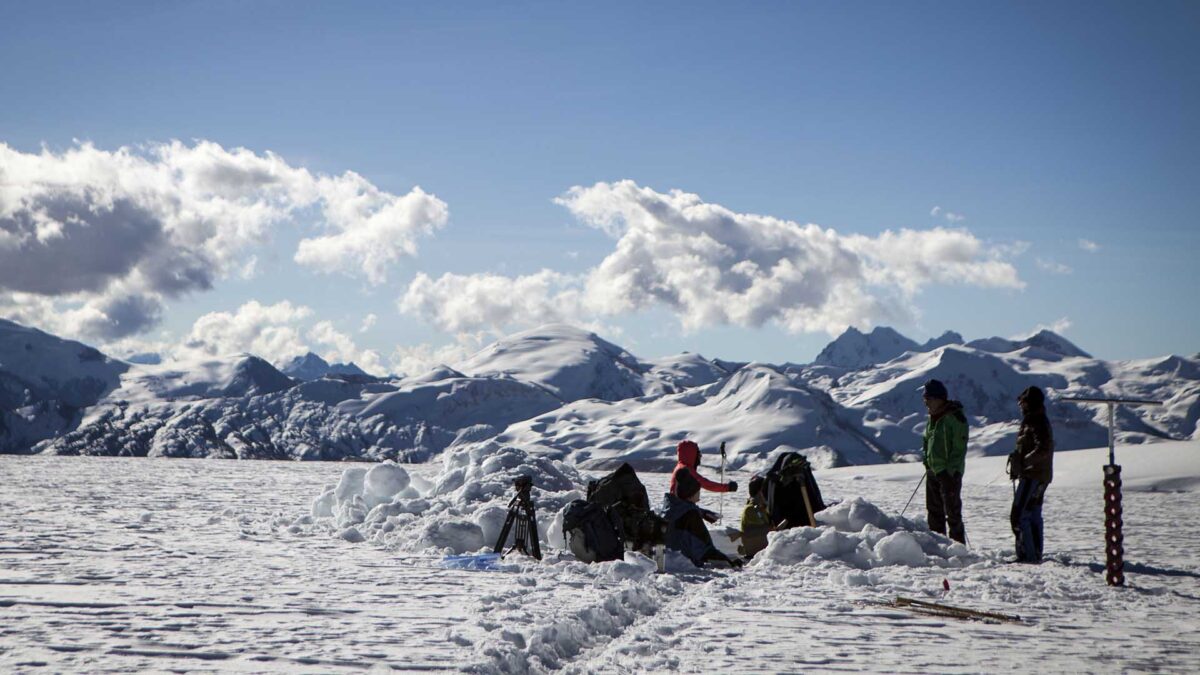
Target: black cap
(935, 389)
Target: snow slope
(46, 383)
(756, 410)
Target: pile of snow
(859, 534)
(461, 511)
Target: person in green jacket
(945, 450)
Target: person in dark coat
(1032, 466)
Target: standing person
(1032, 465)
(945, 448)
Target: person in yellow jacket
(756, 522)
(945, 452)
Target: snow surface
(250, 566)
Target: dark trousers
(1026, 518)
(943, 503)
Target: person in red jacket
(689, 460)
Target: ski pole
(914, 494)
(722, 480)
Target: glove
(732, 486)
(1014, 465)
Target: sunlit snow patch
(857, 533)
(461, 511)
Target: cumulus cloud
(1088, 245)
(1053, 267)
(368, 323)
(269, 331)
(111, 235)
(710, 265)
(458, 303)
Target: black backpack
(787, 483)
(592, 532)
(617, 508)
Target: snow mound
(461, 511)
(859, 534)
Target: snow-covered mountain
(566, 393)
(854, 349)
(312, 367)
(46, 383)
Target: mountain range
(568, 394)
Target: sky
(400, 183)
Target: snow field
(240, 568)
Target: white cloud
(416, 359)
(1053, 267)
(343, 349)
(110, 235)
(950, 216)
(1088, 245)
(368, 323)
(710, 266)
(269, 331)
(463, 303)
(374, 229)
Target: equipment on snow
(616, 516)
(914, 494)
(520, 513)
(483, 562)
(950, 611)
(1114, 540)
(792, 493)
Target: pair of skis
(950, 611)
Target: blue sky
(1041, 123)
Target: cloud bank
(710, 265)
(109, 236)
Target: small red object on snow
(946, 585)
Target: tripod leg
(500, 541)
(533, 533)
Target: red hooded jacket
(689, 459)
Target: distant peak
(854, 350)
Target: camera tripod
(520, 513)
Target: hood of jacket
(688, 453)
(951, 408)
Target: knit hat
(1034, 396)
(935, 389)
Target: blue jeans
(1026, 518)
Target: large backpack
(787, 482)
(617, 507)
(592, 532)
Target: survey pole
(1114, 538)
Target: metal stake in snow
(722, 480)
(1114, 540)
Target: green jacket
(945, 441)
